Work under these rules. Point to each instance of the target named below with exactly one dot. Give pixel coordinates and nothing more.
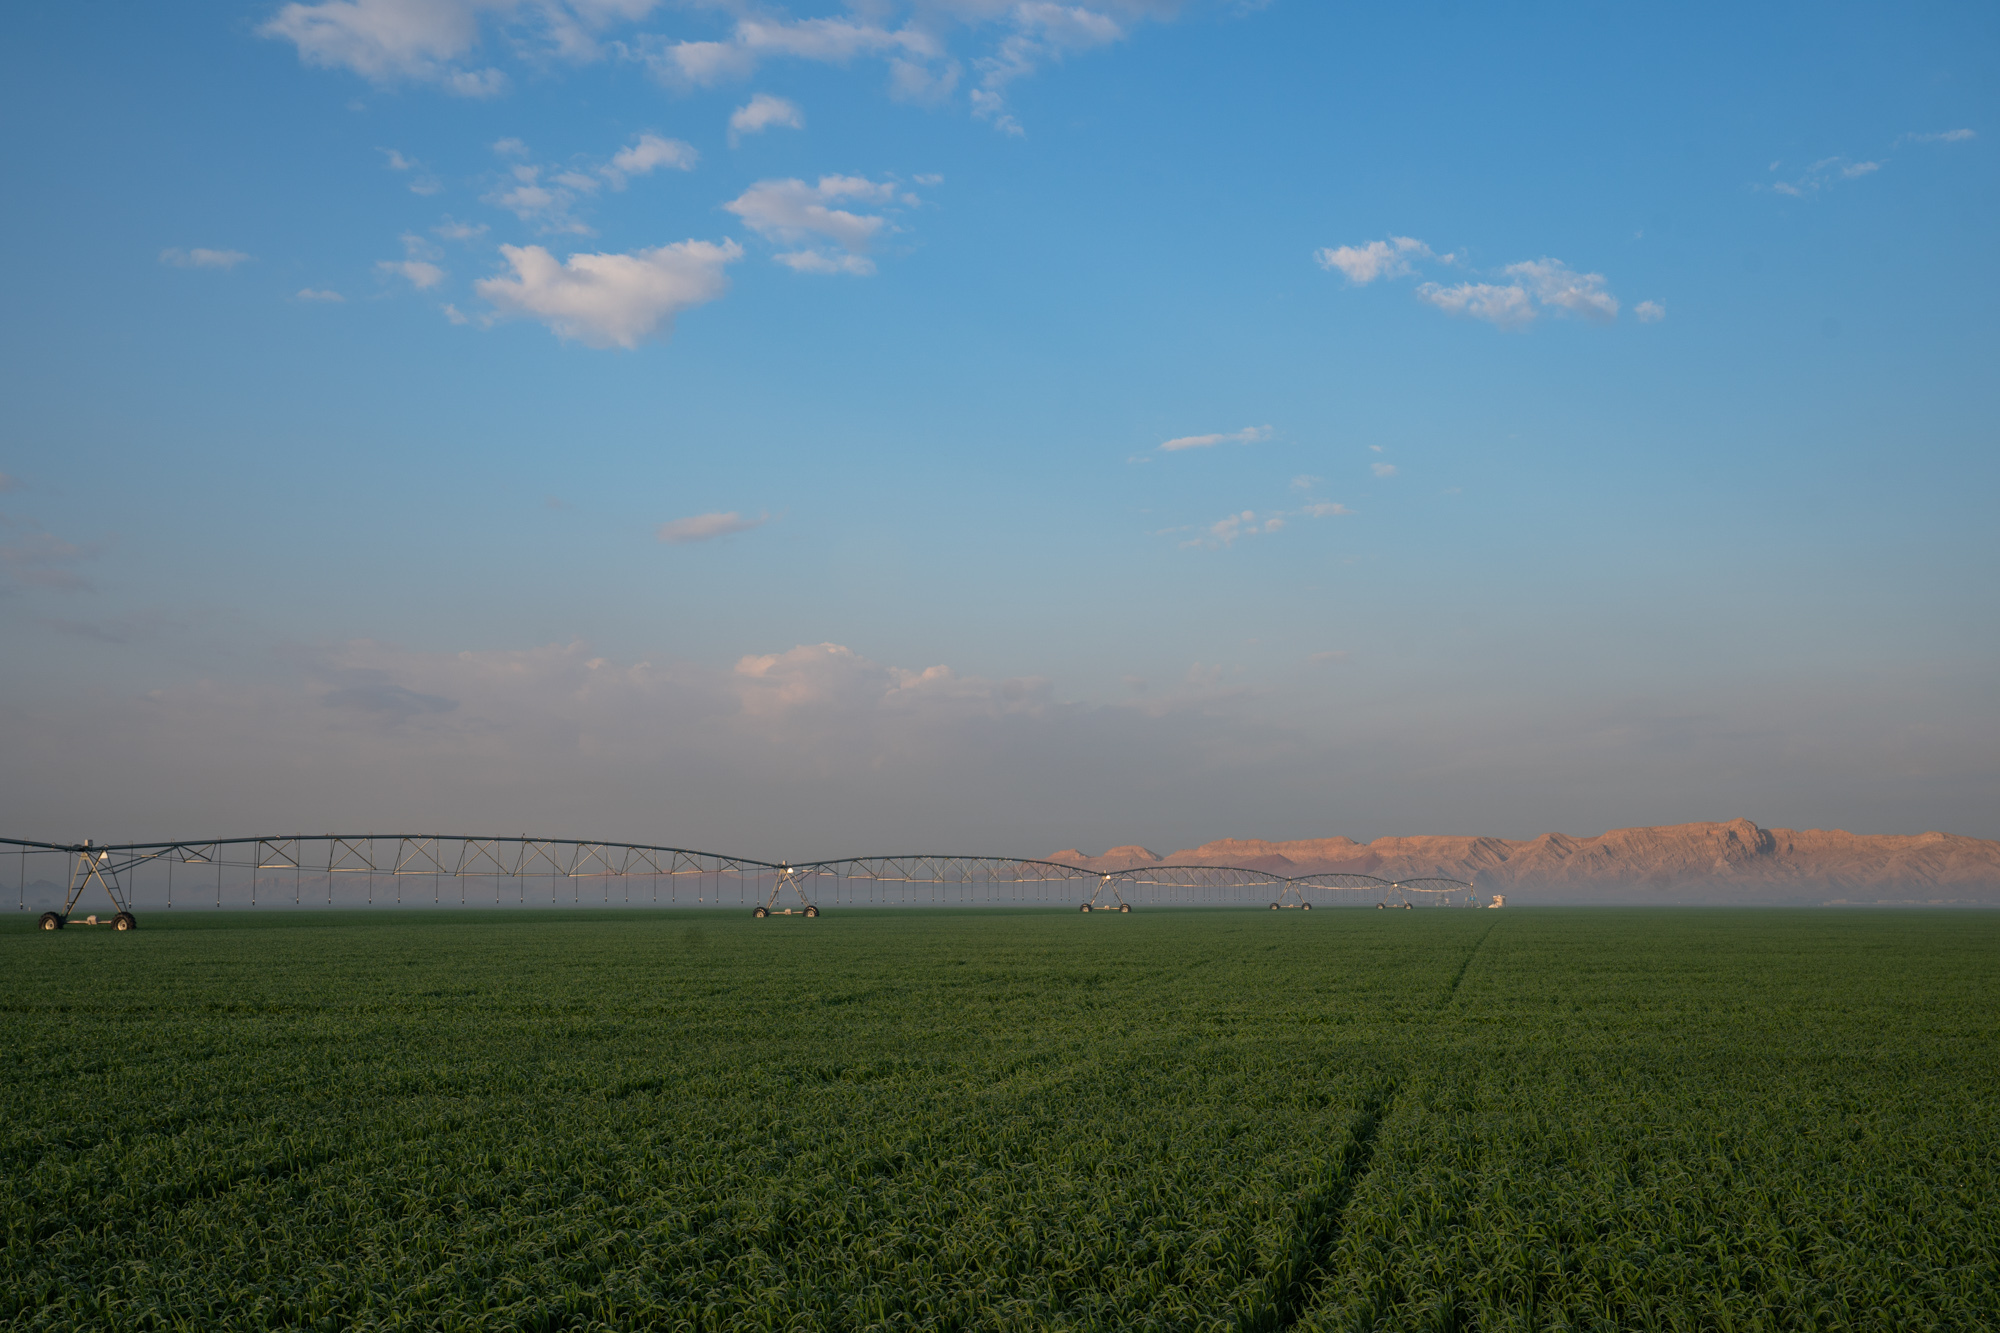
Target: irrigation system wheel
(1408, 908)
(52, 921)
(812, 909)
(761, 913)
(1125, 907)
(1381, 907)
(1084, 908)
(125, 921)
(1274, 907)
(1305, 907)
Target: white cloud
(1532, 286)
(8, 483)
(1383, 469)
(763, 112)
(420, 274)
(199, 258)
(1507, 307)
(454, 315)
(791, 211)
(1224, 532)
(310, 294)
(1554, 284)
(387, 40)
(1304, 482)
(1941, 136)
(649, 152)
(706, 527)
(1248, 435)
(1377, 259)
(1649, 312)
(428, 41)
(510, 147)
(1326, 509)
(833, 41)
(610, 300)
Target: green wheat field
(1197, 1119)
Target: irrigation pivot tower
(395, 869)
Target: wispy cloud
(1649, 312)
(441, 42)
(31, 556)
(763, 112)
(416, 266)
(1939, 136)
(610, 300)
(1224, 532)
(1248, 435)
(548, 195)
(707, 527)
(200, 258)
(1826, 172)
(1382, 469)
(451, 229)
(421, 181)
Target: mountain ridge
(1729, 861)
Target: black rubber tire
(1084, 908)
(1274, 907)
(1305, 907)
(1381, 907)
(1125, 907)
(1408, 908)
(812, 909)
(124, 921)
(761, 913)
(52, 921)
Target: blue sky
(747, 426)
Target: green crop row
(1003, 1120)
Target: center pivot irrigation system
(393, 869)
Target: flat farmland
(962, 1119)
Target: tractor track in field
(1451, 992)
(1323, 1217)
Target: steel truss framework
(338, 864)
